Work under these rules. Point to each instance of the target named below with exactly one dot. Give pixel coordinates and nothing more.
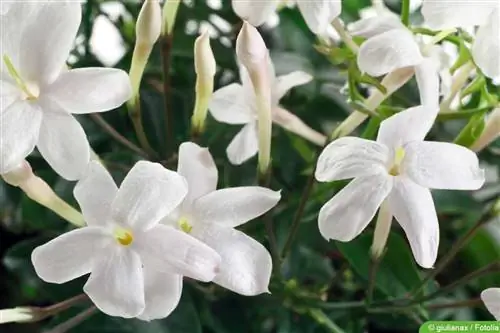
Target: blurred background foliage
(319, 276)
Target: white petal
(255, 12)
(197, 166)
(95, 193)
(286, 82)
(388, 51)
(350, 157)
(174, 251)
(232, 207)
(19, 128)
(491, 299)
(246, 265)
(413, 208)
(87, 90)
(348, 213)
(9, 92)
(446, 14)
(318, 14)
(162, 291)
(427, 75)
(244, 145)
(294, 124)
(373, 26)
(47, 40)
(147, 194)
(116, 285)
(412, 124)
(230, 105)
(63, 144)
(442, 165)
(70, 255)
(486, 47)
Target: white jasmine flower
(236, 104)
(318, 14)
(446, 14)
(212, 215)
(400, 169)
(391, 46)
(135, 263)
(491, 299)
(38, 94)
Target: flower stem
(135, 114)
(166, 42)
(457, 246)
(458, 83)
(405, 12)
(345, 36)
(73, 322)
(99, 120)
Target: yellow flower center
(398, 159)
(30, 90)
(184, 225)
(123, 236)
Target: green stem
(166, 53)
(457, 246)
(374, 264)
(405, 12)
(135, 114)
(73, 322)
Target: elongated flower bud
(18, 315)
(169, 15)
(490, 132)
(38, 190)
(205, 67)
(148, 29)
(254, 56)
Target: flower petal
(162, 292)
(350, 157)
(19, 128)
(63, 144)
(376, 25)
(173, 251)
(47, 40)
(230, 105)
(491, 299)
(95, 193)
(231, 207)
(70, 255)
(318, 14)
(244, 145)
(348, 213)
(147, 194)
(442, 165)
(246, 265)
(446, 14)
(255, 12)
(197, 166)
(413, 207)
(87, 90)
(389, 51)
(9, 92)
(427, 75)
(286, 82)
(116, 284)
(486, 47)
(412, 124)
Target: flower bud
(205, 68)
(169, 15)
(254, 56)
(148, 25)
(19, 174)
(19, 315)
(490, 132)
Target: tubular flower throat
(184, 225)
(32, 91)
(123, 236)
(399, 155)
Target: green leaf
(397, 273)
(471, 132)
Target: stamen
(123, 236)
(15, 75)
(398, 159)
(184, 225)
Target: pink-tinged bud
(148, 27)
(19, 174)
(490, 132)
